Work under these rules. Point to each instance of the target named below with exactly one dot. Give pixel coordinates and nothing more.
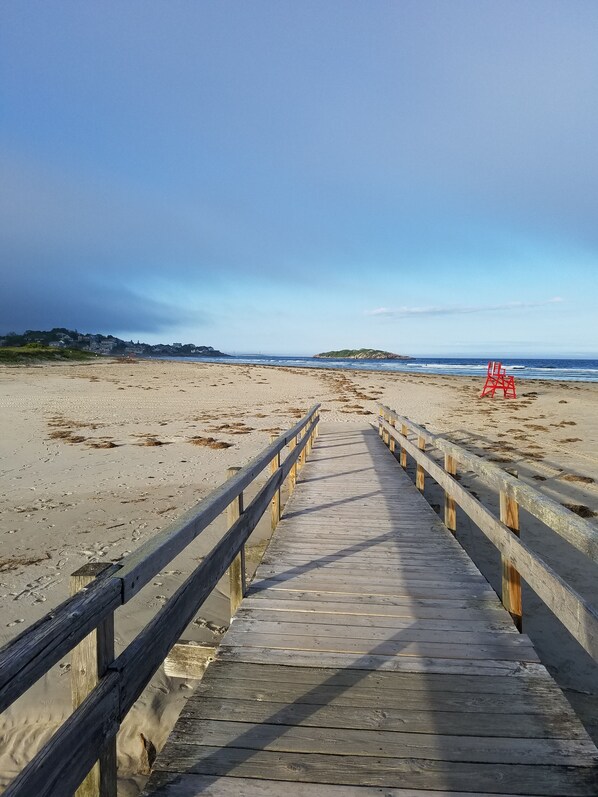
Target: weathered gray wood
(31, 654)
(152, 556)
(576, 614)
(387, 647)
(574, 529)
(90, 660)
(420, 472)
(188, 660)
(62, 763)
(371, 621)
(415, 773)
(450, 507)
(389, 605)
(168, 784)
(527, 688)
(60, 631)
(140, 660)
(406, 632)
(373, 661)
(414, 589)
(386, 744)
(275, 506)
(236, 571)
(406, 692)
(511, 580)
(293, 471)
(336, 672)
(408, 699)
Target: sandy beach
(96, 457)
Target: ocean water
(568, 370)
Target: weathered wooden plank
(275, 507)
(419, 698)
(464, 624)
(62, 763)
(574, 529)
(188, 660)
(386, 744)
(90, 660)
(528, 684)
(334, 572)
(369, 583)
(394, 645)
(328, 676)
(157, 552)
(168, 784)
(412, 589)
(376, 771)
(511, 580)
(387, 563)
(372, 661)
(576, 614)
(407, 633)
(31, 654)
(236, 570)
(375, 605)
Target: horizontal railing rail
(67, 758)
(576, 614)
(577, 531)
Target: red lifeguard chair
(497, 379)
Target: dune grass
(18, 355)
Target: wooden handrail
(31, 654)
(64, 761)
(577, 531)
(144, 563)
(577, 615)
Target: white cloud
(405, 312)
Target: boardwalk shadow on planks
(498, 734)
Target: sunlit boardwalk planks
(370, 657)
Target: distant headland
(69, 339)
(361, 354)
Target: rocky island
(361, 354)
(60, 338)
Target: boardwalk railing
(105, 688)
(518, 560)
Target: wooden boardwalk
(370, 658)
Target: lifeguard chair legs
(497, 379)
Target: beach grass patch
(34, 352)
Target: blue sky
(296, 176)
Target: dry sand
(97, 457)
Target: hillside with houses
(62, 338)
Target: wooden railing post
(392, 443)
(420, 476)
(293, 471)
(511, 580)
(275, 506)
(236, 571)
(403, 450)
(303, 454)
(380, 417)
(450, 506)
(89, 661)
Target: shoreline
(100, 455)
(481, 375)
